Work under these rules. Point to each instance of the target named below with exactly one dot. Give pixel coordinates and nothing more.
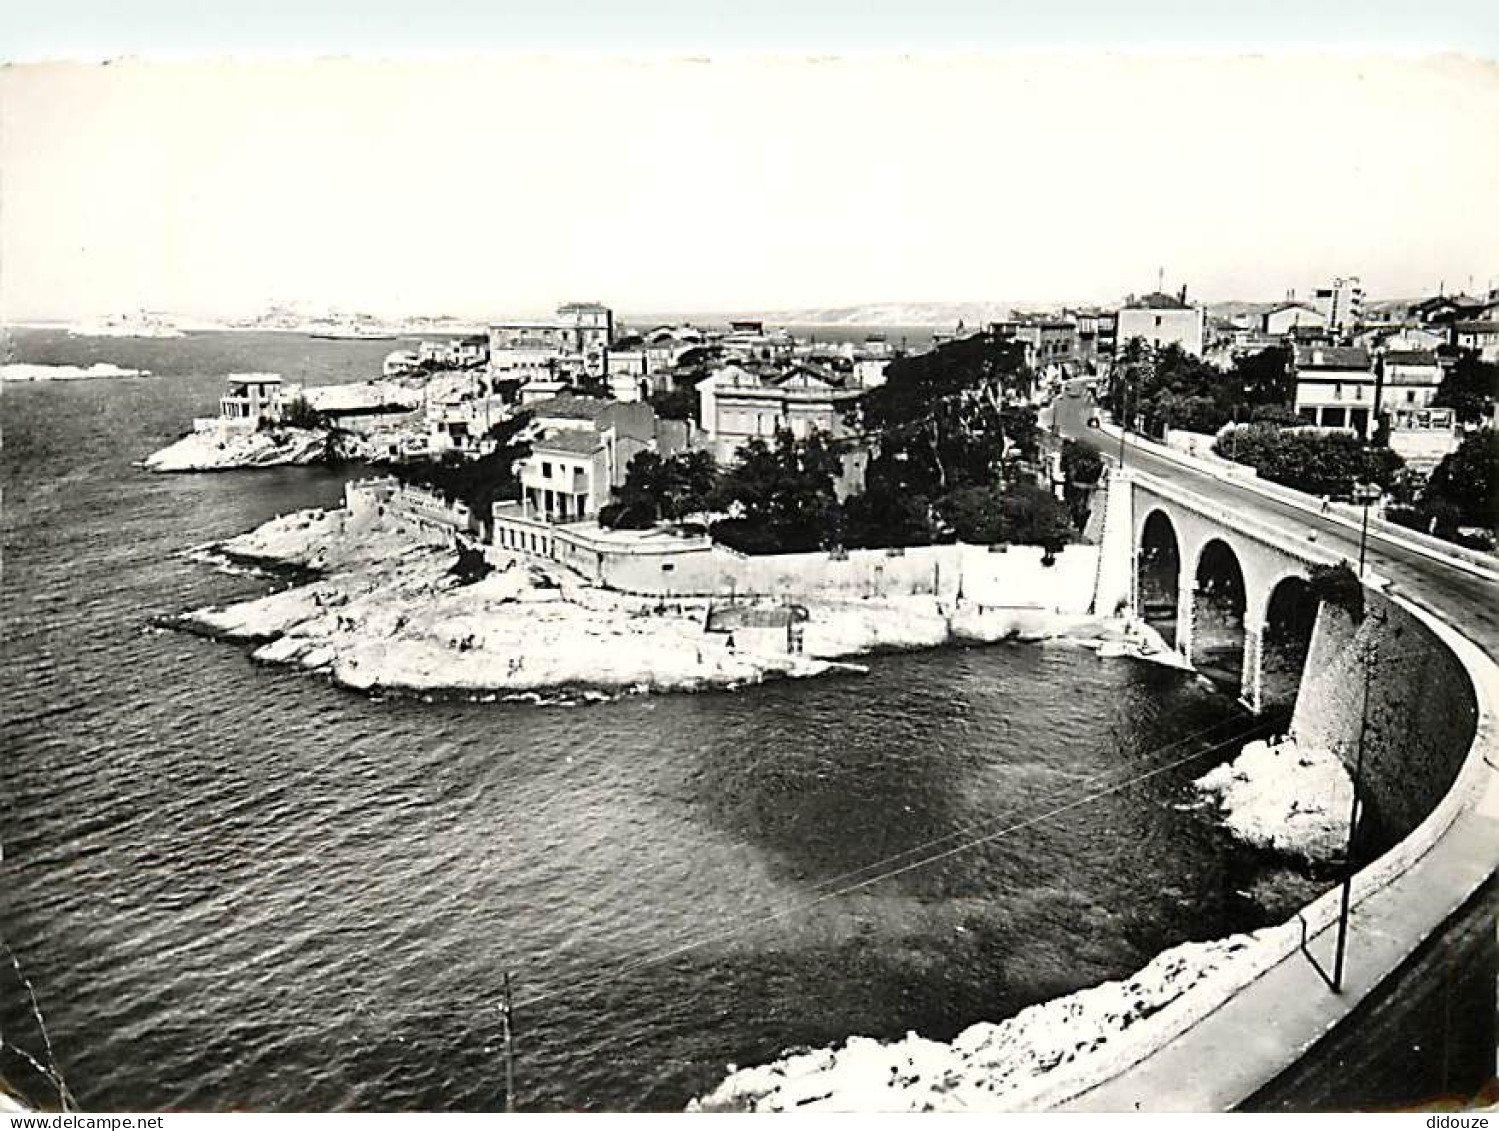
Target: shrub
(627, 516)
(1339, 586)
(297, 413)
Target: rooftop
(1411, 357)
(1156, 300)
(1332, 357)
(571, 440)
(569, 407)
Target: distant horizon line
(724, 314)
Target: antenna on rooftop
(1160, 280)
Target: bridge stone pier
(1224, 591)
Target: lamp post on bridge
(1365, 494)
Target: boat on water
(354, 332)
(358, 326)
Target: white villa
(252, 398)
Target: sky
(487, 184)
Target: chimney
(1184, 294)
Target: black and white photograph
(663, 566)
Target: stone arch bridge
(1228, 593)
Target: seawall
(1421, 707)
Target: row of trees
(955, 452)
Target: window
(1410, 396)
(546, 470)
(1157, 319)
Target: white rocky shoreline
(210, 450)
(383, 612)
(1040, 1056)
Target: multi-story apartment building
(1341, 305)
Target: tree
(1319, 463)
(1468, 480)
(478, 482)
(1265, 378)
(1130, 376)
(1081, 464)
(1470, 387)
(974, 514)
(679, 403)
(1170, 388)
(882, 517)
(658, 488)
(296, 412)
(782, 495)
(941, 420)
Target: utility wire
(805, 905)
(51, 1071)
(782, 913)
(690, 945)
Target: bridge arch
(1219, 600)
(1285, 637)
(1158, 561)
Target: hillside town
(551, 430)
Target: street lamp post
(1365, 494)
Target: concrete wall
(666, 566)
(1421, 714)
(1114, 579)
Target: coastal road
(1431, 1001)
(1468, 602)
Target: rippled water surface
(240, 887)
